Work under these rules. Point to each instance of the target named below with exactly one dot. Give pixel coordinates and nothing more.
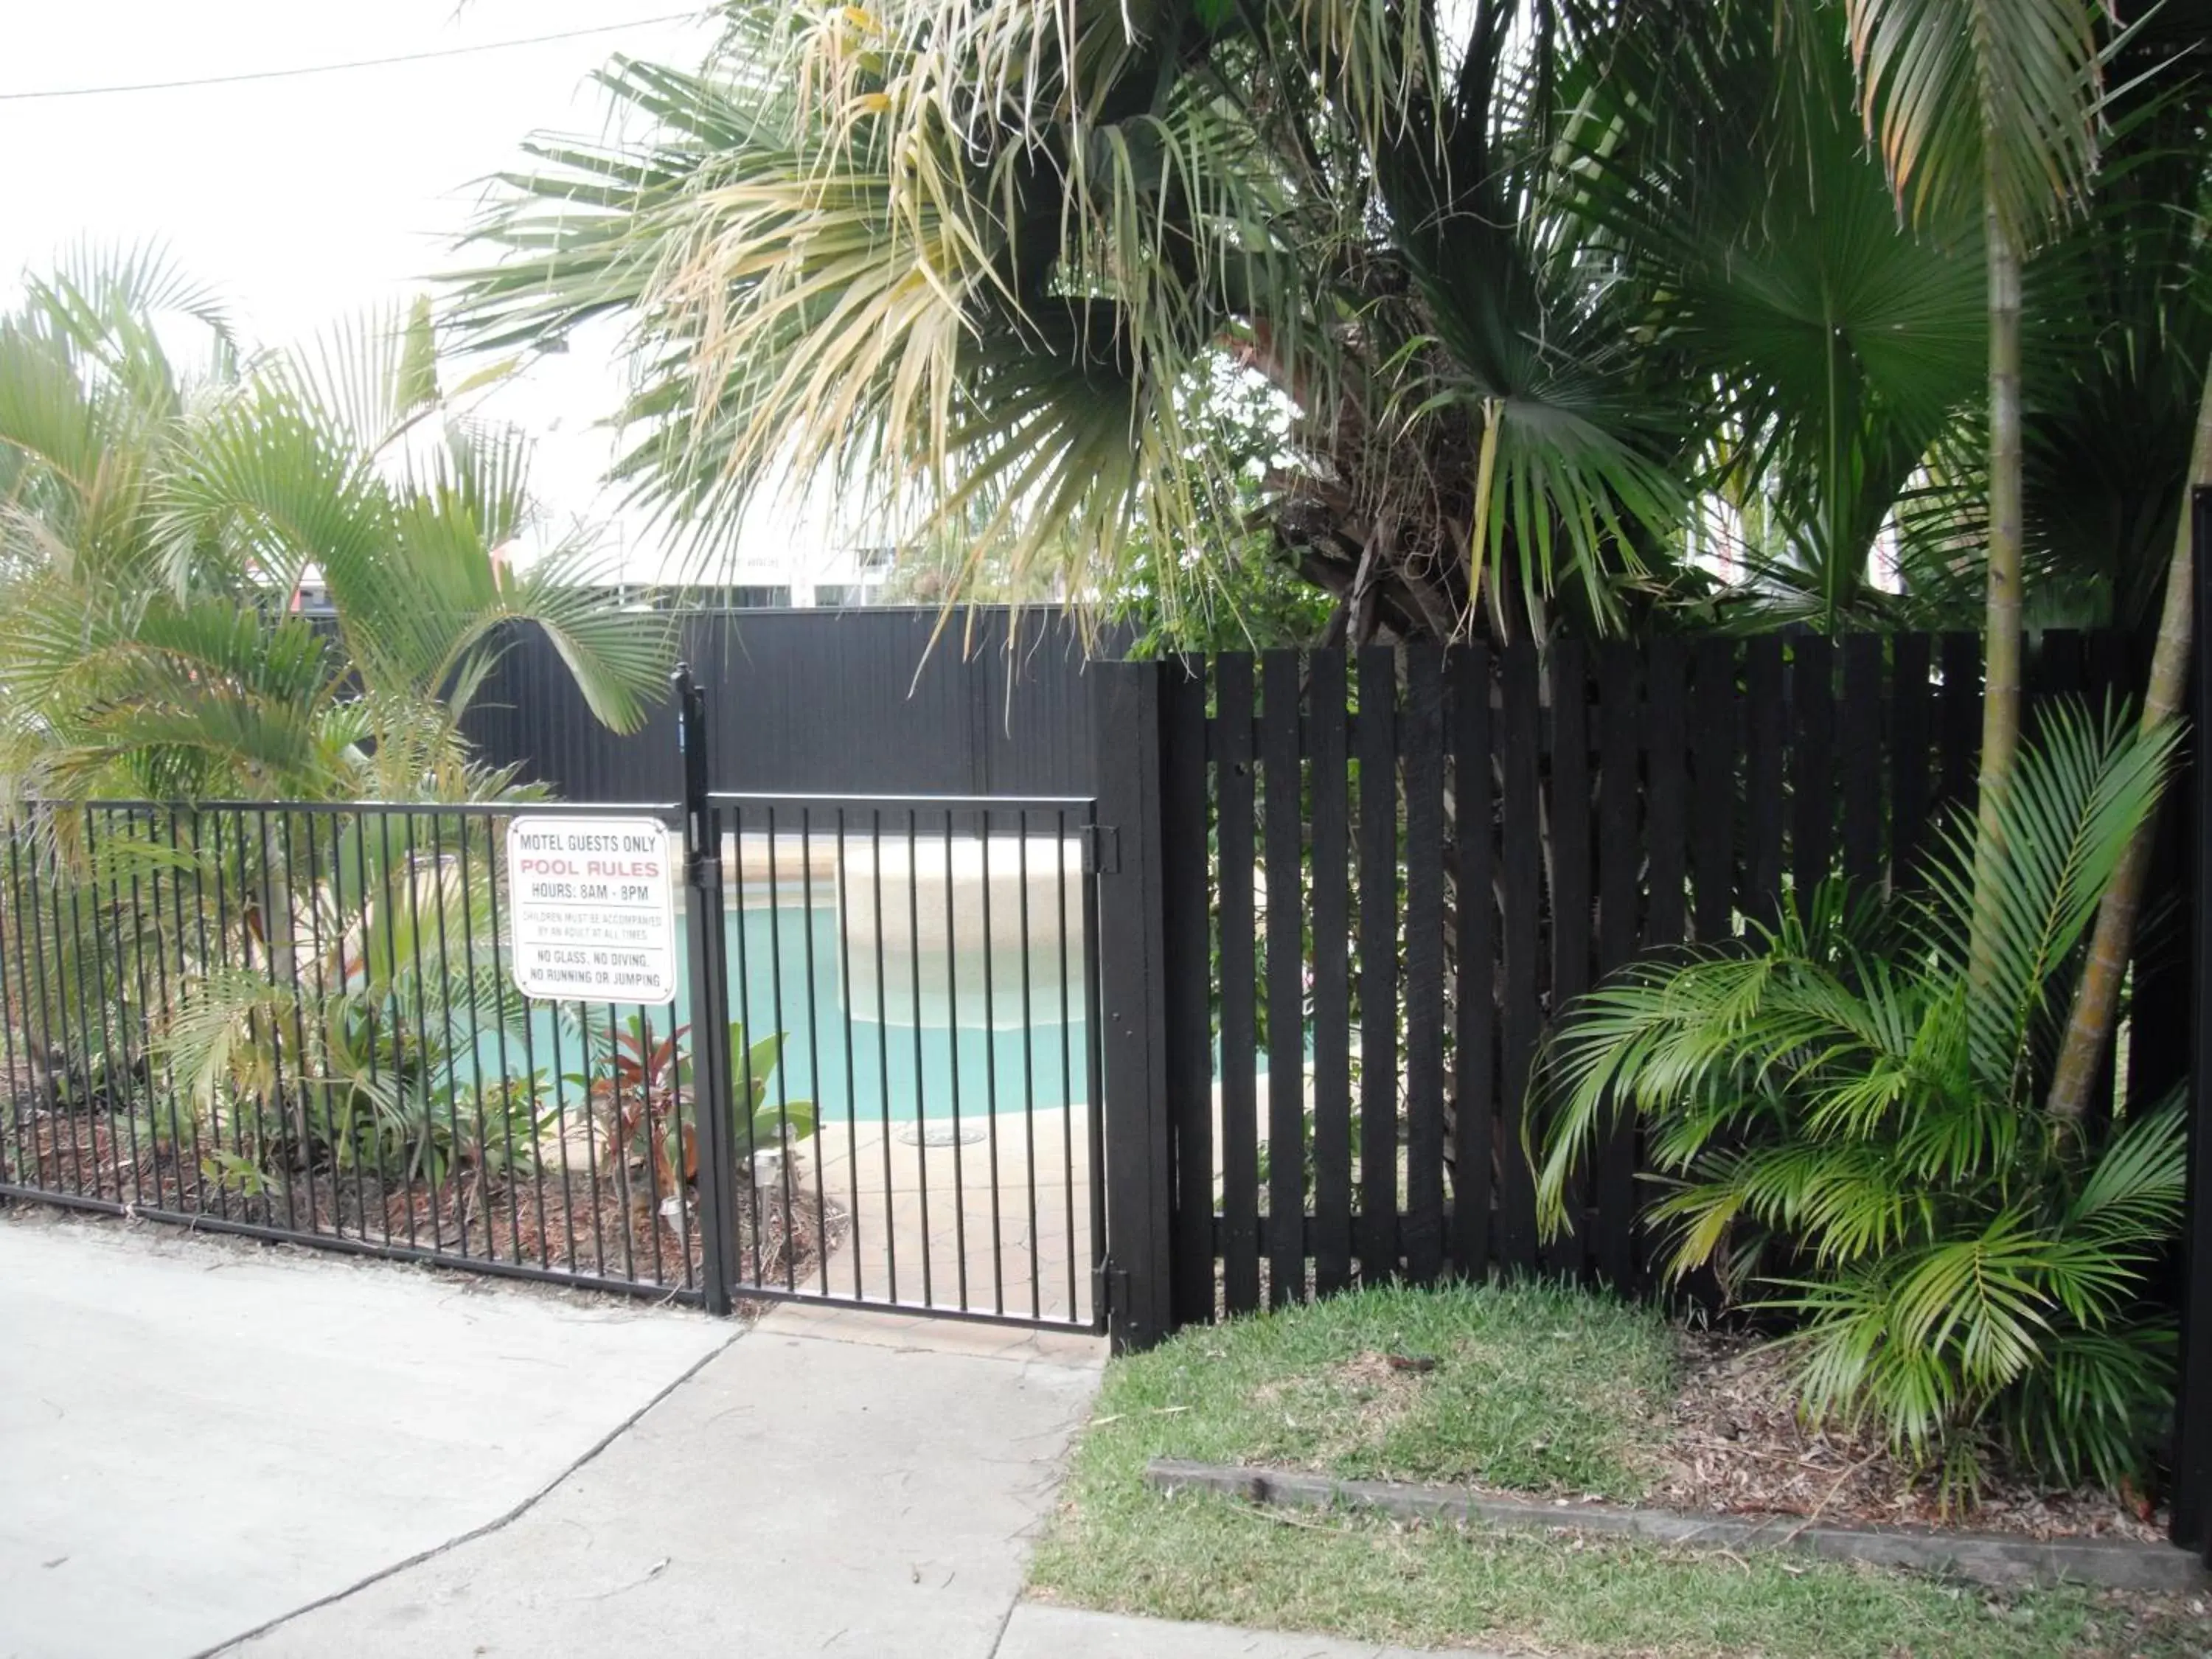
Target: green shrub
(1849, 1117)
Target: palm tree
(967, 255)
(158, 522)
(1997, 104)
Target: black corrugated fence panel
(877, 701)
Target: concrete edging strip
(1987, 1558)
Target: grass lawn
(1533, 1389)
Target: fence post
(1132, 975)
(2192, 1461)
(708, 943)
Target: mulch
(1733, 1444)
(581, 1220)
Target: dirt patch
(1733, 1444)
(1351, 1406)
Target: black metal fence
(295, 1020)
(874, 1078)
(914, 979)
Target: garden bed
(564, 1215)
(1561, 1396)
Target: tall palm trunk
(2001, 695)
(2089, 1026)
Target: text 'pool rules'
(592, 907)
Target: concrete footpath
(211, 1448)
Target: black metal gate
(899, 998)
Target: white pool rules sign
(592, 907)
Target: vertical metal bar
(1091, 1104)
(302, 1070)
(326, 1012)
(782, 1069)
(476, 1049)
(447, 1039)
(177, 906)
(1157, 1275)
(84, 1035)
(1029, 1070)
(107, 914)
(952, 1023)
(395, 999)
(530, 1063)
(371, 1177)
(17, 1169)
(270, 924)
(743, 1055)
(592, 1136)
(920, 1089)
(424, 1047)
(49, 1007)
(852, 1076)
(656, 1145)
(813, 1045)
(990, 1069)
(883, 1055)
(624, 1190)
(479, 1147)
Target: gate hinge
(1109, 1290)
(1102, 850)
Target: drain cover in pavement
(940, 1131)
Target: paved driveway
(198, 1437)
(209, 1448)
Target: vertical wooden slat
(1286, 1047)
(1332, 989)
(1569, 822)
(1375, 743)
(1473, 1053)
(2192, 1461)
(1858, 760)
(1910, 745)
(1185, 884)
(1240, 1155)
(1514, 1240)
(1664, 734)
(1619, 858)
(1960, 718)
(1763, 694)
(1812, 766)
(1421, 742)
(1713, 756)
(2111, 670)
(2061, 666)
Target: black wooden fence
(887, 700)
(1380, 872)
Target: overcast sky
(301, 200)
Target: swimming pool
(911, 983)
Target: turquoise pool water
(928, 1032)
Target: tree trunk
(2001, 694)
(2089, 1027)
